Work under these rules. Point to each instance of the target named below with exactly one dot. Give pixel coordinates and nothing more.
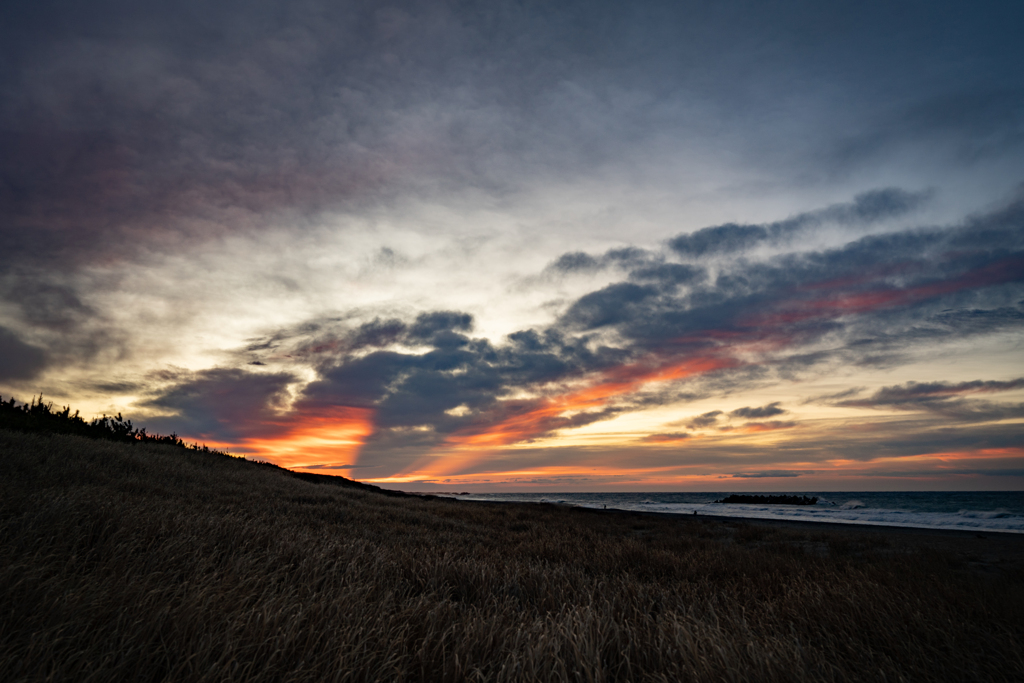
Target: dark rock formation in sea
(769, 500)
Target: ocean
(966, 511)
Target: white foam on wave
(986, 514)
(853, 512)
(926, 520)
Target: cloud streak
(867, 208)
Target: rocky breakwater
(735, 499)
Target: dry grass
(152, 563)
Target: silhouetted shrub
(39, 417)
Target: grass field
(140, 562)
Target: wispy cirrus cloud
(918, 394)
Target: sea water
(968, 511)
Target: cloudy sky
(524, 245)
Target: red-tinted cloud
(548, 414)
(770, 426)
(847, 303)
(329, 436)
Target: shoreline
(796, 522)
(839, 526)
(989, 553)
(802, 524)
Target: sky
(518, 246)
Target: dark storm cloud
(128, 121)
(19, 360)
(610, 306)
(866, 208)
(580, 262)
(668, 274)
(917, 393)
(748, 413)
(874, 286)
(221, 403)
(705, 420)
(576, 262)
(441, 328)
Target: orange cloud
(548, 413)
(555, 475)
(330, 436)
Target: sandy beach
(988, 553)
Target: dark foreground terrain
(143, 562)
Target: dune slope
(156, 563)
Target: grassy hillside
(147, 562)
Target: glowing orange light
(330, 436)
(614, 383)
(557, 475)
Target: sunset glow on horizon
(330, 438)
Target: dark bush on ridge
(39, 417)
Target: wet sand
(991, 553)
